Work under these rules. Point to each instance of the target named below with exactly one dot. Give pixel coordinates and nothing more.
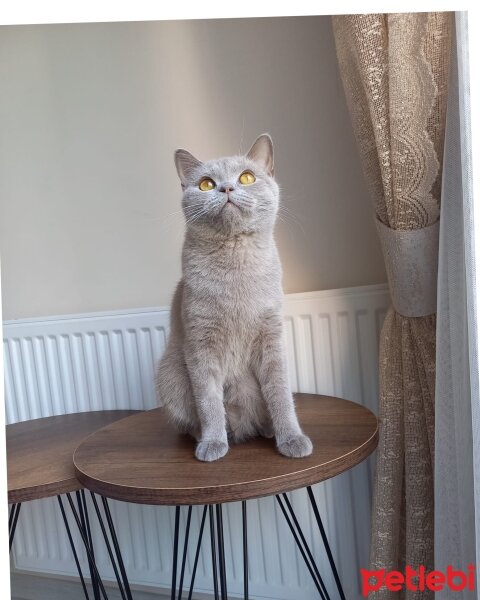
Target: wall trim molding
(367, 290)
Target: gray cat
(223, 375)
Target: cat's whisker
(195, 216)
(177, 213)
(168, 220)
(169, 215)
(194, 207)
(287, 212)
(290, 220)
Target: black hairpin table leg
(302, 545)
(119, 569)
(325, 543)
(72, 546)
(96, 579)
(185, 548)
(221, 553)
(83, 514)
(294, 526)
(12, 522)
(175, 553)
(218, 549)
(197, 552)
(12, 525)
(245, 550)
(176, 547)
(214, 551)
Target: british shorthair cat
(223, 376)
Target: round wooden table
(40, 465)
(143, 460)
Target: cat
(223, 376)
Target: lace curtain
(394, 69)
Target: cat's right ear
(185, 163)
(262, 152)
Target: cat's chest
(232, 278)
(231, 299)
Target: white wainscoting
(106, 361)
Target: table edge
(48, 490)
(229, 492)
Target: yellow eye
(247, 178)
(206, 184)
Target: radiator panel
(106, 361)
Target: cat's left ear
(185, 162)
(262, 152)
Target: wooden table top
(40, 452)
(143, 460)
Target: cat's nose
(227, 187)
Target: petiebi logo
(418, 580)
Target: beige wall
(90, 116)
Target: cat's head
(235, 194)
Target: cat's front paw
(212, 450)
(296, 447)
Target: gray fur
(223, 375)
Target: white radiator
(105, 361)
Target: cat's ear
(185, 163)
(262, 152)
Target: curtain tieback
(411, 261)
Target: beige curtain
(394, 69)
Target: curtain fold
(394, 69)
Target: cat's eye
(247, 178)
(206, 184)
